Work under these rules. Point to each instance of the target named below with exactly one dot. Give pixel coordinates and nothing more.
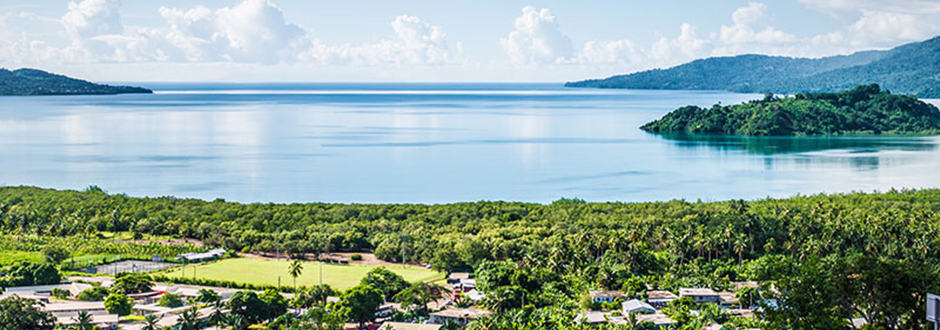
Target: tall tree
(360, 303)
(295, 269)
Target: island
(26, 82)
(906, 69)
(865, 109)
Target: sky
(433, 40)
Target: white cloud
(685, 47)
(746, 28)
(537, 39)
(91, 18)
(609, 52)
(252, 31)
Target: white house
(660, 298)
(636, 306)
(459, 316)
(700, 295)
(601, 297)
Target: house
(713, 326)
(741, 312)
(660, 298)
(459, 316)
(591, 317)
(600, 297)
(728, 300)
(106, 321)
(745, 284)
(465, 285)
(408, 326)
(385, 310)
(700, 295)
(455, 278)
(637, 306)
(658, 319)
(475, 295)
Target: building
(408, 326)
(658, 319)
(385, 310)
(660, 298)
(700, 295)
(475, 295)
(728, 300)
(455, 278)
(636, 306)
(713, 326)
(202, 256)
(465, 285)
(107, 321)
(459, 316)
(591, 317)
(600, 297)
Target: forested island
(907, 69)
(28, 82)
(862, 110)
(814, 262)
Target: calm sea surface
(425, 143)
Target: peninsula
(25, 82)
(865, 109)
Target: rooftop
(74, 306)
(408, 326)
(615, 294)
(658, 319)
(697, 292)
(728, 297)
(466, 313)
(636, 305)
(661, 295)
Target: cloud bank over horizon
(253, 35)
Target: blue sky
(424, 40)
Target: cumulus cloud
(746, 30)
(537, 39)
(252, 31)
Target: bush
(170, 300)
(119, 304)
(54, 254)
(94, 294)
(355, 257)
(60, 293)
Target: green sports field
(266, 272)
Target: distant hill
(37, 82)
(908, 69)
(862, 110)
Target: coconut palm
(188, 319)
(295, 269)
(83, 321)
(150, 322)
(217, 316)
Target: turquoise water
(424, 143)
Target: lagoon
(425, 143)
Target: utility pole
(403, 250)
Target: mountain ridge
(34, 82)
(912, 68)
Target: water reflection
(771, 145)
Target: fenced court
(128, 266)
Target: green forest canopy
(862, 110)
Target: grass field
(266, 272)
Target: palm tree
(295, 269)
(83, 321)
(150, 322)
(217, 316)
(235, 321)
(189, 319)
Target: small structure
(465, 285)
(713, 326)
(700, 295)
(203, 256)
(385, 310)
(660, 298)
(745, 284)
(743, 313)
(408, 326)
(591, 317)
(475, 295)
(455, 278)
(600, 297)
(728, 300)
(106, 321)
(459, 316)
(658, 319)
(636, 306)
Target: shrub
(119, 304)
(60, 293)
(94, 294)
(355, 257)
(170, 300)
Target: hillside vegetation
(862, 110)
(908, 69)
(35, 82)
(829, 258)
